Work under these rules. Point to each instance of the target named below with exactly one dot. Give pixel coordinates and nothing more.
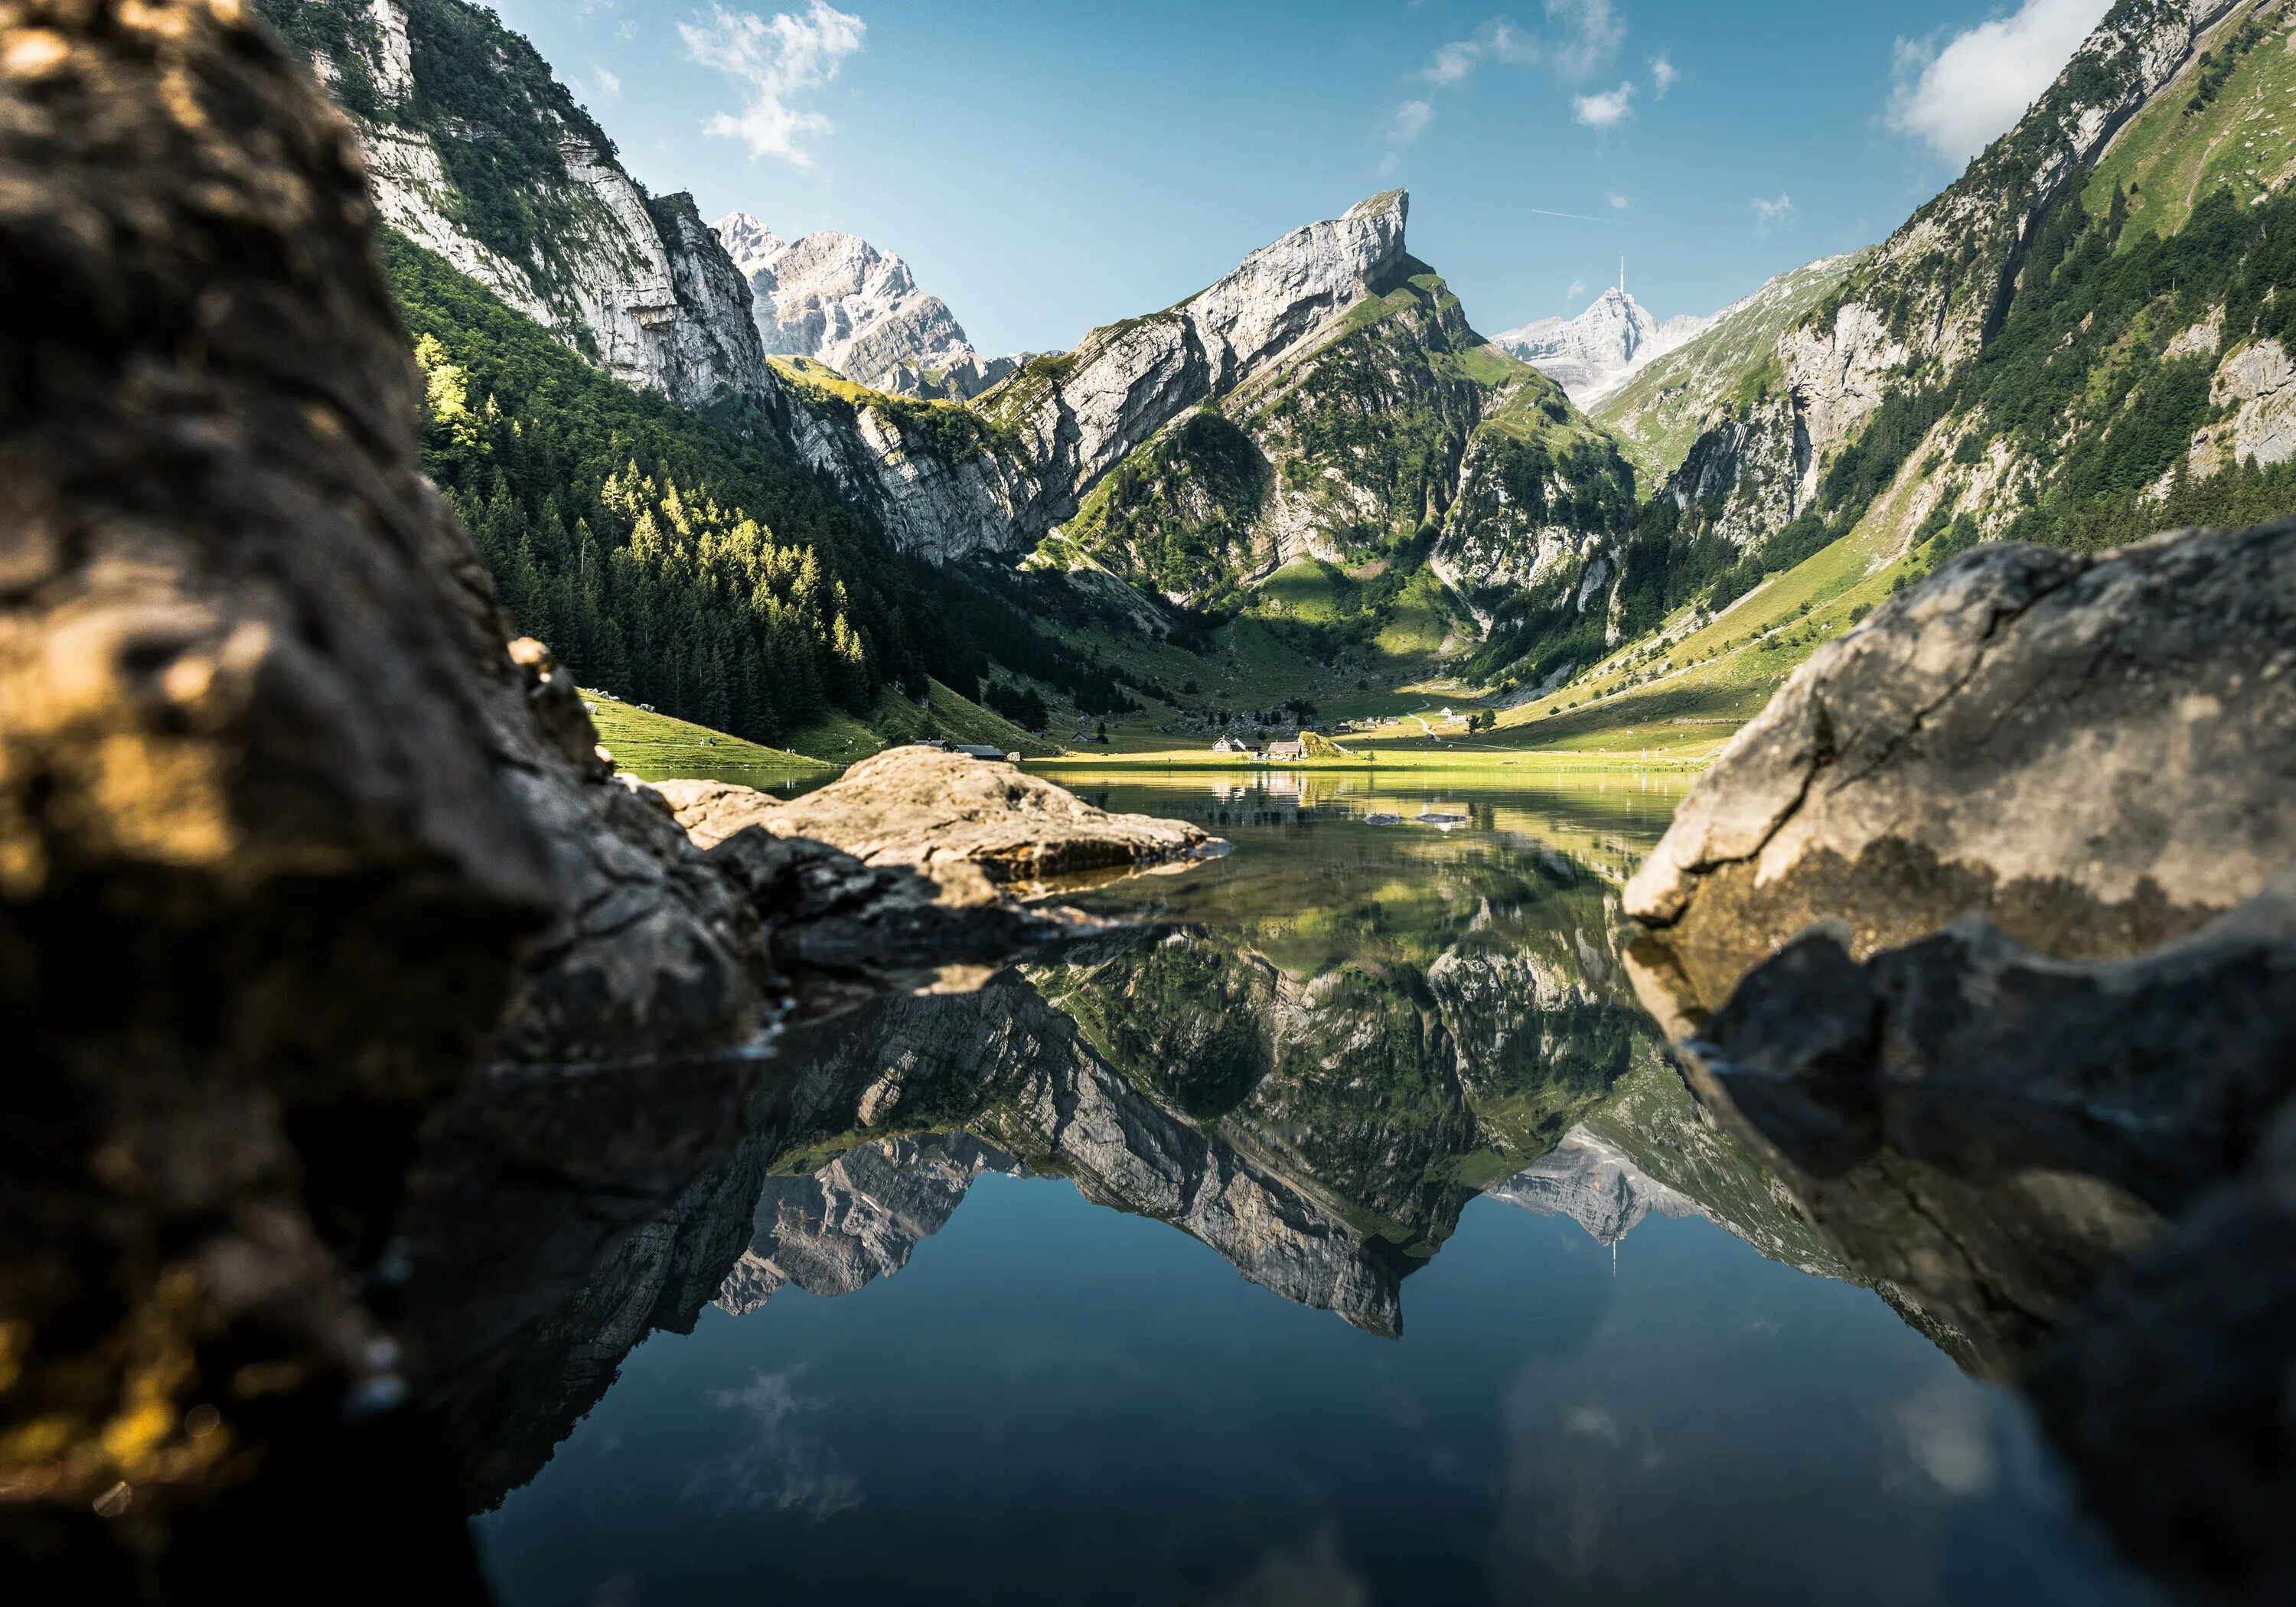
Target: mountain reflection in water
(1360, 1056)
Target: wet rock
(289, 841)
(973, 827)
(2097, 753)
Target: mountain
(1594, 354)
(836, 298)
(1396, 437)
(1675, 395)
(475, 152)
(2009, 345)
(602, 415)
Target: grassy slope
(843, 740)
(659, 747)
(1657, 416)
(2244, 140)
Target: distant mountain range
(1594, 354)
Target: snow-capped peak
(1595, 353)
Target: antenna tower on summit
(1622, 275)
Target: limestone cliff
(473, 149)
(1913, 316)
(836, 298)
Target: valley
(1313, 492)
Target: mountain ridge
(834, 296)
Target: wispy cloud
(774, 64)
(1619, 203)
(1409, 122)
(1779, 213)
(1958, 95)
(1581, 37)
(1405, 125)
(775, 1465)
(602, 85)
(1664, 75)
(1588, 36)
(1607, 110)
(1577, 289)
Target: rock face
(1679, 394)
(1593, 355)
(2094, 752)
(1917, 310)
(836, 298)
(290, 843)
(858, 1219)
(453, 110)
(968, 824)
(1055, 430)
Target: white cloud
(1589, 36)
(1607, 110)
(1664, 76)
(1409, 122)
(1958, 96)
(1577, 289)
(1619, 203)
(604, 85)
(1947, 1434)
(1497, 40)
(774, 64)
(1778, 214)
(1582, 37)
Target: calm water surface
(1345, 1239)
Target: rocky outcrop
(1055, 430)
(1746, 478)
(970, 824)
(441, 93)
(291, 844)
(2094, 752)
(2033, 1067)
(2256, 386)
(1595, 354)
(838, 299)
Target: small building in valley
(1295, 748)
(1232, 744)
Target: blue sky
(1048, 165)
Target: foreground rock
(2097, 753)
(973, 827)
(1998, 1134)
(2027, 1055)
(290, 845)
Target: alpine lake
(1336, 1231)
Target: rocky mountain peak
(1593, 355)
(748, 242)
(836, 298)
